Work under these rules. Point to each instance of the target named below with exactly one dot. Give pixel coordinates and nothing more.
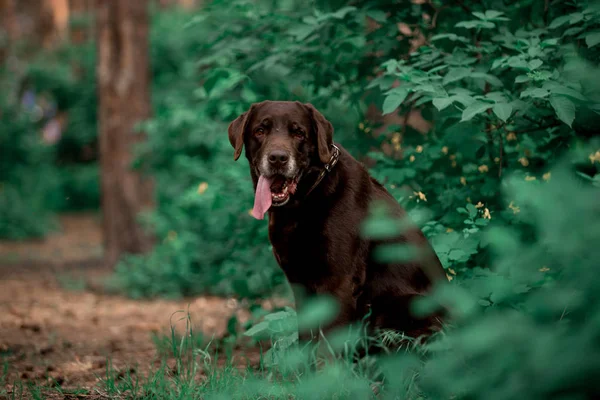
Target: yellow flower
(483, 168)
(530, 178)
(486, 214)
(451, 271)
(445, 149)
(595, 157)
(421, 195)
(397, 147)
(511, 136)
(479, 205)
(250, 213)
(524, 161)
(449, 278)
(419, 149)
(361, 126)
(411, 158)
(515, 209)
(202, 187)
(544, 269)
(396, 138)
(452, 156)
(547, 176)
(463, 180)
(367, 130)
(497, 160)
(449, 230)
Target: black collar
(335, 155)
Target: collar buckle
(334, 158)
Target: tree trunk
(53, 21)
(8, 21)
(80, 10)
(123, 84)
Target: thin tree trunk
(123, 84)
(53, 21)
(9, 19)
(9, 25)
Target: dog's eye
(259, 132)
(299, 135)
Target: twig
(463, 6)
(501, 156)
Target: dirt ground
(56, 324)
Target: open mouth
(272, 191)
(282, 188)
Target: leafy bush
(502, 87)
(26, 190)
(527, 327)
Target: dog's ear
(236, 132)
(324, 131)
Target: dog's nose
(278, 158)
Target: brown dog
(317, 195)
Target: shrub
(501, 86)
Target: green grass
(191, 367)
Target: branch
(463, 6)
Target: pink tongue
(262, 198)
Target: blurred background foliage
(463, 109)
(470, 93)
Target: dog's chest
(299, 246)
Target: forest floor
(58, 328)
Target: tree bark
(53, 21)
(8, 21)
(124, 100)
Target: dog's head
(283, 140)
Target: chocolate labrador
(317, 196)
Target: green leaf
(442, 102)
(592, 39)
(535, 64)
(475, 24)
(502, 110)
(479, 15)
(472, 210)
(464, 99)
(377, 15)
(342, 12)
(535, 92)
(564, 108)
(456, 74)
(257, 329)
(556, 88)
(560, 21)
(450, 36)
(521, 79)
(474, 109)
(391, 253)
(457, 255)
(301, 32)
(394, 99)
(548, 43)
(491, 79)
(491, 14)
(575, 18)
